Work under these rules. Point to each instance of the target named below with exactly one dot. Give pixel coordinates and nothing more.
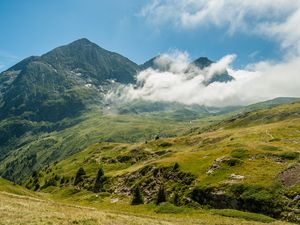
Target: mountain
(61, 82)
(201, 63)
(221, 76)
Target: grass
(243, 215)
(16, 209)
(7, 186)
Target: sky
(257, 42)
(129, 27)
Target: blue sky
(33, 27)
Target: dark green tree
(98, 186)
(161, 195)
(176, 166)
(137, 196)
(176, 200)
(79, 176)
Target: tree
(176, 200)
(79, 176)
(137, 196)
(98, 186)
(161, 195)
(176, 166)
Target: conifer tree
(137, 196)
(79, 176)
(98, 186)
(161, 196)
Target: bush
(137, 196)
(165, 144)
(239, 153)
(232, 162)
(289, 155)
(270, 148)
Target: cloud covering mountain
(277, 20)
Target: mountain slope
(49, 93)
(59, 83)
(220, 168)
(35, 210)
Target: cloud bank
(186, 85)
(176, 81)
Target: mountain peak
(82, 41)
(202, 62)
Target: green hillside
(248, 162)
(19, 205)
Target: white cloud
(277, 19)
(175, 80)
(264, 81)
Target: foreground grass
(17, 209)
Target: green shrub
(289, 155)
(239, 153)
(270, 148)
(165, 144)
(232, 162)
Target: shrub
(289, 155)
(270, 148)
(165, 144)
(239, 153)
(232, 162)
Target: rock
(114, 200)
(236, 177)
(296, 198)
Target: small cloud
(253, 55)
